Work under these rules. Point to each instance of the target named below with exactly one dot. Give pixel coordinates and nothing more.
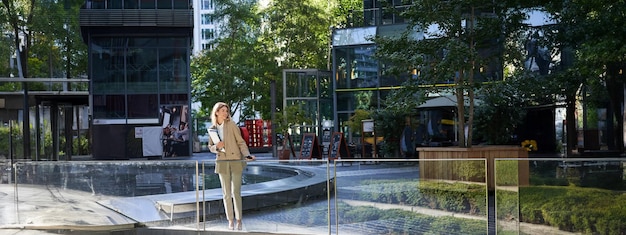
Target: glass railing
(560, 195)
(353, 196)
(278, 197)
(411, 197)
(87, 194)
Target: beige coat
(235, 146)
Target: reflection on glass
(561, 195)
(400, 198)
(109, 106)
(356, 67)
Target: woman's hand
(219, 145)
(250, 158)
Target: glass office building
(360, 80)
(139, 70)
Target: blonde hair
(216, 107)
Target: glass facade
(361, 80)
(133, 77)
(139, 82)
(311, 91)
(383, 12)
(139, 52)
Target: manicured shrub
(574, 209)
(454, 197)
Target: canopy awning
(445, 101)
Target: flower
(529, 145)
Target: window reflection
(143, 106)
(109, 106)
(140, 68)
(357, 67)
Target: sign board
(368, 125)
(326, 136)
(139, 132)
(310, 148)
(338, 147)
(151, 143)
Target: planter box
(462, 170)
(284, 154)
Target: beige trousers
(231, 189)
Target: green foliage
(294, 115)
(451, 225)
(590, 54)
(401, 100)
(248, 57)
(53, 45)
(455, 52)
(454, 197)
(506, 173)
(355, 123)
(386, 125)
(80, 145)
(394, 221)
(362, 213)
(238, 64)
(469, 170)
(5, 53)
(348, 13)
(584, 210)
(4, 142)
(574, 209)
(10, 86)
(501, 110)
(507, 205)
(300, 32)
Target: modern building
(139, 74)
(361, 83)
(360, 80)
(206, 28)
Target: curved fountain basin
(300, 183)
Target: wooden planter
(284, 154)
(469, 170)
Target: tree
(51, 45)
(355, 123)
(297, 35)
(298, 32)
(20, 14)
(6, 53)
(348, 13)
(592, 53)
(234, 69)
(452, 42)
(502, 109)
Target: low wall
(458, 170)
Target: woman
(231, 156)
